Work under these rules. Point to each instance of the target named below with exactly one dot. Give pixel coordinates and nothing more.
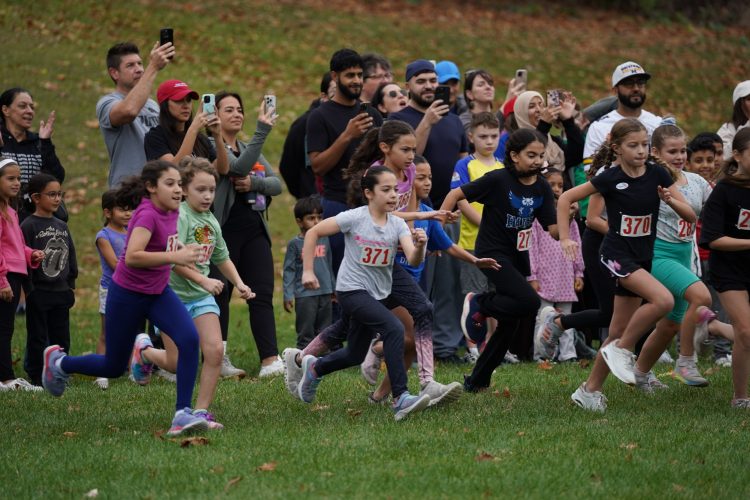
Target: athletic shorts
(729, 285)
(622, 268)
(199, 307)
(671, 267)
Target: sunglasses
(395, 93)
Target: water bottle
(254, 198)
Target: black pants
(7, 324)
(47, 323)
(313, 314)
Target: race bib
(173, 243)
(206, 252)
(375, 256)
(635, 226)
(523, 240)
(685, 229)
(743, 221)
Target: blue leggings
(125, 312)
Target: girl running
(140, 290)
(363, 287)
(631, 192)
(726, 231)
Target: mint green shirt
(201, 228)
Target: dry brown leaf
(91, 123)
(353, 413)
(629, 446)
(266, 467)
(712, 370)
(70, 434)
(678, 487)
(545, 365)
(584, 363)
(50, 86)
(193, 441)
(484, 457)
(520, 433)
(318, 407)
(232, 482)
(506, 392)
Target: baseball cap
(626, 70)
(174, 90)
(447, 70)
(419, 66)
(741, 90)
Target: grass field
(526, 441)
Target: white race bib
(635, 226)
(685, 229)
(173, 243)
(375, 256)
(206, 252)
(743, 221)
(523, 240)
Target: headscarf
(554, 156)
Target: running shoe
(21, 384)
(741, 403)
(275, 368)
(53, 378)
(724, 361)
(374, 401)
(687, 373)
(593, 401)
(665, 358)
(649, 383)
(548, 336)
(473, 322)
(166, 375)
(102, 383)
(407, 404)
(620, 361)
(292, 371)
(140, 368)
(705, 316)
(308, 385)
(228, 370)
(185, 422)
(208, 417)
(440, 393)
(370, 367)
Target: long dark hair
(738, 114)
(469, 83)
(36, 185)
(371, 178)
(175, 137)
(133, 189)
(7, 98)
(517, 142)
(730, 171)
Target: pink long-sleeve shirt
(556, 274)
(15, 256)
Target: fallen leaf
(50, 86)
(678, 487)
(92, 493)
(712, 370)
(318, 407)
(353, 413)
(584, 363)
(545, 365)
(266, 467)
(69, 434)
(193, 441)
(484, 457)
(506, 392)
(92, 123)
(521, 433)
(217, 469)
(629, 446)
(232, 482)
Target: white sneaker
(511, 358)
(594, 401)
(665, 358)
(3, 387)
(275, 368)
(705, 316)
(370, 367)
(168, 376)
(21, 384)
(440, 393)
(102, 383)
(724, 361)
(292, 371)
(228, 370)
(620, 362)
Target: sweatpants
(7, 325)
(47, 323)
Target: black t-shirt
(632, 209)
(727, 213)
(324, 125)
(444, 146)
(509, 211)
(156, 145)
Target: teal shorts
(671, 266)
(199, 307)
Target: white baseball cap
(741, 90)
(626, 70)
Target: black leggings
(7, 324)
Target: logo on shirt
(203, 234)
(622, 185)
(525, 206)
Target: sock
(58, 365)
(683, 360)
(639, 374)
(225, 346)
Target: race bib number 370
(634, 226)
(376, 256)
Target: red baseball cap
(174, 90)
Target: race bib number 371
(634, 226)
(376, 256)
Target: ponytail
(133, 189)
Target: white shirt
(599, 130)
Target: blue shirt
(437, 240)
(117, 240)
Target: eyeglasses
(54, 194)
(379, 76)
(639, 82)
(395, 93)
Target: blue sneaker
(186, 422)
(208, 417)
(53, 378)
(406, 404)
(308, 386)
(140, 369)
(473, 323)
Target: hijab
(554, 156)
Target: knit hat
(419, 66)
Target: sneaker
(705, 316)
(688, 374)
(724, 361)
(649, 383)
(471, 357)
(741, 403)
(3, 387)
(275, 368)
(594, 401)
(185, 422)
(292, 371)
(620, 362)
(473, 323)
(308, 385)
(665, 358)
(21, 384)
(370, 367)
(440, 393)
(102, 383)
(406, 404)
(583, 350)
(228, 370)
(511, 358)
(141, 369)
(374, 401)
(53, 378)
(213, 425)
(549, 334)
(166, 375)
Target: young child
(726, 231)
(110, 241)
(513, 197)
(140, 290)
(632, 191)
(363, 287)
(196, 226)
(555, 278)
(702, 157)
(51, 294)
(312, 307)
(15, 256)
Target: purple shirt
(163, 228)
(403, 188)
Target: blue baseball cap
(447, 70)
(419, 66)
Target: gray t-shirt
(671, 227)
(125, 143)
(369, 253)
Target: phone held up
(269, 102)
(443, 92)
(522, 77)
(166, 35)
(554, 98)
(209, 104)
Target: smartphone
(209, 104)
(443, 92)
(269, 101)
(553, 98)
(166, 35)
(522, 76)
(363, 106)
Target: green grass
(686, 443)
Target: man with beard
(442, 141)
(334, 131)
(629, 85)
